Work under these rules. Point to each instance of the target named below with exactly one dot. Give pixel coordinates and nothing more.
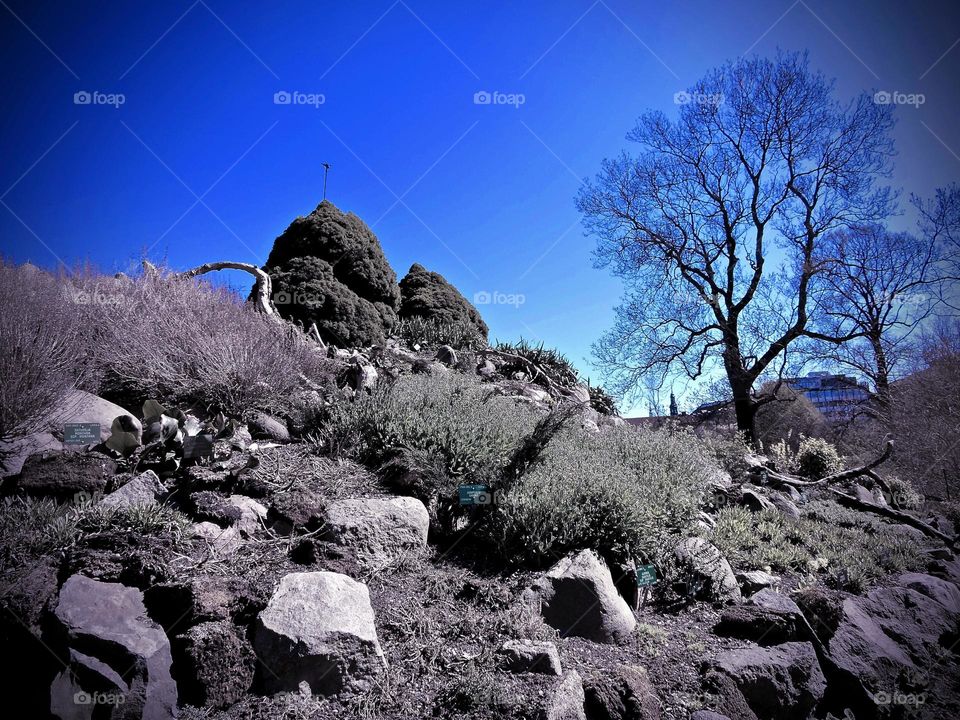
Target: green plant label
(81, 433)
(646, 575)
(198, 447)
(475, 495)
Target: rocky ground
(273, 581)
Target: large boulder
(428, 295)
(784, 681)
(378, 528)
(893, 633)
(66, 475)
(577, 596)
(319, 628)
(328, 268)
(565, 701)
(213, 665)
(14, 453)
(624, 694)
(767, 618)
(712, 575)
(118, 656)
(83, 407)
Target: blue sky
(200, 163)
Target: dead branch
(887, 512)
(536, 370)
(262, 289)
(836, 477)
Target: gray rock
(14, 453)
(784, 681)
(755, 580)
(945, 593)
(144, 489)
(577, 596)
(363, 377)
(708, 715)
(626, 693)
(890, 633)
(566, 700)
(214, 665)
(252, 514)
(114, 641)
(297, 509)
(80, 406)
(535, 657)
(710, 569)
(66, 475)
(486, 369)
(767, 618)
(381, 528)
(319, 628)
(785, 505)
(267, 427)
(447, 355)
(221, 541)
(755, 501)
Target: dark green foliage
(547, 360)
(601, 401)
(329, 268)
(428, 295)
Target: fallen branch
(262, 289)
(836, 477)
(537, 371)
(901, 517)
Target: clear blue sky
(480, 193)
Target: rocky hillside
(423, 531)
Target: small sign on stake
(475, 495)
(646, 579)
(81, 433)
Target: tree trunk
(746, 412)
(882, 377)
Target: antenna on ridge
(326, 169)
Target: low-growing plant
(851, 550)
(453, 418)
(624, 493)
(814, 458)
(601, 400)
(42, 356)
(430, 332)
(550, 361)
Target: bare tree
(878, 287)
(714, 226)
(940, 221)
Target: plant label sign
(646, 575)
(81, 433)
(198, 447)
(475, 495)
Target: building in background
(837, 397)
